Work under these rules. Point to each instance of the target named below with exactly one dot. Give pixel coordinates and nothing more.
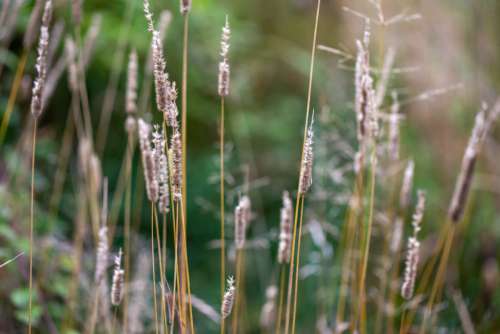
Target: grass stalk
(222, 210)
(297, 265)
(32, 216)
(281, 295)
(155, 310)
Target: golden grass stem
(162, 275)
(297, 265)
(291, 267)
(281, 295)
(128, 198)
(440, 278)
(153, 269)
(222, 210)
(32, 215)
(239, 255)
(366, 244)
(306, 123)
(184, 109)
(13, 95)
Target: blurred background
(446, 65)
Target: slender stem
(239, 255)
(362, 300)
(13, 95)
(297, 266)
(306, 123)
(162, 277)
(281, 294)
(153, 269)
(290, 270)
(32, 213)
(184, 107)
(222, 210)
(439, 281)
(186, 267)
(128, 197)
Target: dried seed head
(464, 181)
(84, 153)
(70, 49)
(239, 226)
(162, 173)
(160, 76)
(31, 30)
(102, 253)
(148, 162)
(130, 125)
(148, 15)
(185, 6)
(95, 172)
(224, 69)
(405, 195)
(242, 214)
(41, 62)
(227, 302)
(419, 213)
(224, 78)
(394, 128)
(176, 147)
(411, 266)
(305, 181)
(117, 285)
(397, 235)
(285, 237)
(268, 313)
(131, 97)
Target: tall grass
(367, 241)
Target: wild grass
(369, 283)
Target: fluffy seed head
(117, 285)
(227, 302)
(148, 162)
(464, 181)
(224, 69)
(394, 129)
(70, 49)
(239, 227)
(411, 266)
(131, 96)
(305, 181)
(162, 173)
(176, 147)
(148, 15)
(268, 313)
(405, 195)
(285, 237)
(419, 212)
(41, 62)
(185, 6)
(102, 253)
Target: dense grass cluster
(127, 257)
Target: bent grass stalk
(32, 199)
(362, 287)
(281, 295)
(222, 236)
(239, 260)
(297, 264)
(306, 123)
(155, 310)
(439, 281)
